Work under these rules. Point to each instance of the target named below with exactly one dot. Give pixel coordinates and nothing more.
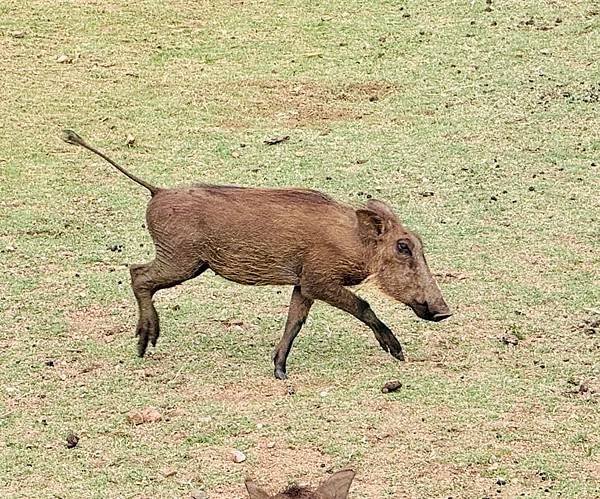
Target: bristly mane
(288, 193)
(296, 492)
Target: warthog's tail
(71, 137)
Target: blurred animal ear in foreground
(255, 491)
(337, 485)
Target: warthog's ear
(337, 485)
(374, 220)
(255, 491)
(370, 225)
(382, 209)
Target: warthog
(296, 237)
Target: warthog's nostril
(441, 317)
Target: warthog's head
(398, 262)
(335, 487)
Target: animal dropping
(296, 237)
(391, 386)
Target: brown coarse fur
(296, 237)
(334, 487)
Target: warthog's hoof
(396, 352)
(280, 373)
(398, 355)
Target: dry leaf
(276, 140)
(444, 276)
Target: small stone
(17, 34)
(501, 481)
(324, 393)
(49, 363)
(270, 445)
(237, 456)
(130, 140)
(168, 472)
(64, 59)
(531, 188)
(198, 494)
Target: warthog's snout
(431, 313)
(441, 317)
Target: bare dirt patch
(306, 102)
(96, 321)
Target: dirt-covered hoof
(280, 373)
(397, 354)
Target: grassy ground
(494, 111)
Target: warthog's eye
(403, 248)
